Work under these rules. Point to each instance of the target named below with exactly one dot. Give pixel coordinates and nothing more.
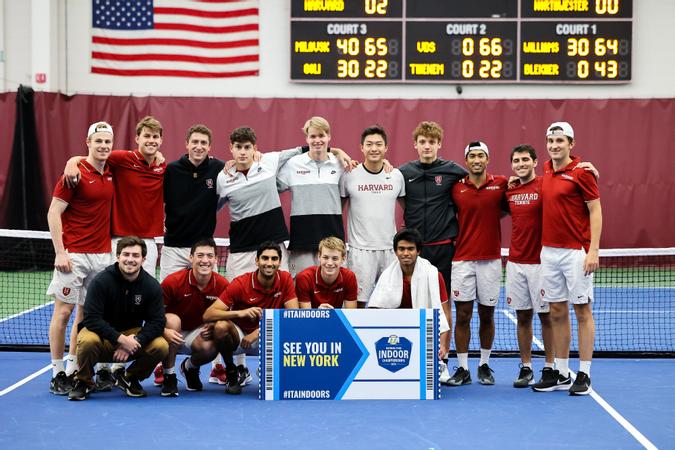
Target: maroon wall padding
(8, 117)
(628, 140)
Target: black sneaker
(233, 387)
(104, 381)
(129, 385)
(461, 377)
(525, 377)
(553, 381)
(485, 375)
(60, 384)
(244, 375)
(581, 385)
(192, 381)
(170, 385)
(80, 391)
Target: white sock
(188, 364)
(463, 360)
(116, 366)
(169, 371)
(585, 367)
(528, 365)
(548, 364)
(57, 366)
(71, 365)
(484, 356)
(240, 359)
(563, 366)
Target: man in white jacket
(413, 282)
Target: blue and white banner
(349, 354)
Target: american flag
(176, 38)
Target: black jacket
(428, 198)
(114, 304)
(190, 201)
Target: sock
(116, 366)
(463, 360)
(71, 365)
(562, 364)
(240, 359)
(528, 365)
(57, 366)
(585, 367)
(484, 356)
(169, 371)
(188, 364)
(548, 364)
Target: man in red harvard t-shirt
(476, 266)
(571, 227)
(238, 311)
(79, 223)
(138, 203)
(328, 285)
(187, 294)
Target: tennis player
(239, 308)
(79, 223)
(328, 285)
(572, 224)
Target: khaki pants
(91, 349)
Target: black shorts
(441, 257)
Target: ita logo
(393, 352)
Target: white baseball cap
(565, 129)
(476, 145)
(98, 127)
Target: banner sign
(349, 354)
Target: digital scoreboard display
(457, 41)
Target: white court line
(25, 380)
(35, 308)
(641, 438)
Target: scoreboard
(458, 41)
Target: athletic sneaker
(233, 387)
(170, 385)
(128, 384)
(445, 373)
(547, 375)
(80, 391)
(159, 375)
(218, 374)
(104, 381)
(525, 377)
(192, 381)
(60, 384)
(244, 375)
(581, 385)
(557, 382)
(485, 375)
(461, 376)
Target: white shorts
(172, 260)
(189, 337)
(72, 287)
(150, 264)
(254, 350)
(523, 287)
(368, 265)
(563, 278)
(243, 262)
(302, 259)
(476, 280)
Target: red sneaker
(218, 375)
(159, 375)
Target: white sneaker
(445, 374)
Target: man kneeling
(238, 311)
(123, 320)
(187, 294)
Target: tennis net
(634, 305)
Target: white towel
(423, 287)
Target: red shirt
(525, 204)
(310, 287)
(566, 220)
(86, 220)
(246, 292)
(406, 298)
(183, 298)
(479, 211)
(138, 206)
